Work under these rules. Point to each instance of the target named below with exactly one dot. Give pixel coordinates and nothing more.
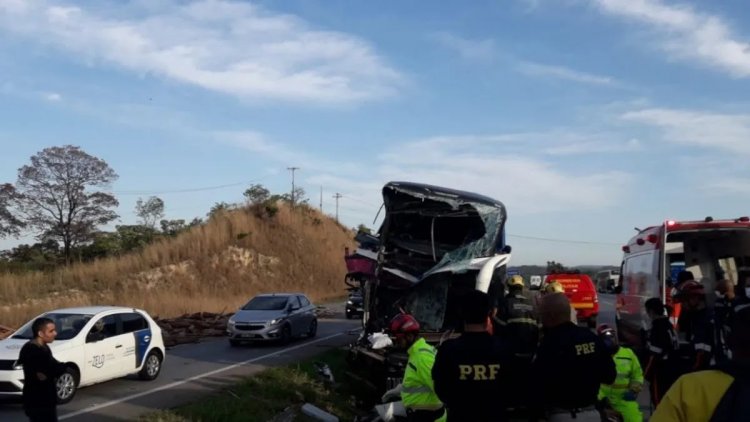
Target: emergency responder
(570, 364)
(622, 396)
(721, 394)
(722, 315)
(661, 370)
(520, 328)
(556, 287)
(418, 394)
(40, 370)
(470, 371)
(695, 328)
(676, 307)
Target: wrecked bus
(434, 245)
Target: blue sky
(585, 117)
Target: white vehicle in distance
(97, 344)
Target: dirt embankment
(214, 268)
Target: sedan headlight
(277, 321)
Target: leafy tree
(173, 227)
(555, 267)
(257, 194)
(54, 196)
(364, 229)
(134, 237)
(104, 244)
(218, 208)
(10, 225)
(149, 211)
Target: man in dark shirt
(661, 371)
(570, 365)
(695, 328)
(470, 372)
(40, 371)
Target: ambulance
(710, 249)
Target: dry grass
(214, 267)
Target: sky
(586, 118)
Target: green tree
(173, 227)
(149, 211)
(257, 194)
(364, 229)
(57, 198)
(133, 237)
(219, 208)
(10, 225)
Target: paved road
(190, 371)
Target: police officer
(40, 369)
(520, 328)
(570, 364)
(695, 327)
(662, 347)
(623, 394)
(470, 371)
(418, 393)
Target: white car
(126, 341)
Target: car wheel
(67, 385)
(286, 335)
(349, 315)
(152, 366)
(313, 330)
(234, 343)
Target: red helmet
(403, 324)
(690, 288)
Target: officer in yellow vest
(418, 392)
(623, 394)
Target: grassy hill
(214, 267)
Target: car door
(101, 362)
(308, 312)
(296, 316)
(136, 338)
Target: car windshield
(67, 325)
(266, 303)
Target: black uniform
(470, 377)
(570, 365)
(661, 372)
(520, 328)
(40, 370)
(696, 336)
(722, 321)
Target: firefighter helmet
(554, 287)
(515, 280)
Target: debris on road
(191, 328)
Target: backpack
(734, 406)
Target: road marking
(193, 378)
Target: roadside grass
(213, 267)
(268, 394)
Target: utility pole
(337, 196)
(292, 169)
(321, 198)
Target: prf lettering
(479, 372)
(585, 348)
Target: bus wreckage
(434, 245)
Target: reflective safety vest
(629, 378)
(694, 397)
(418, 391)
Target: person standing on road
(570, 365)
(520, 328)
(40, 370)
(695, 328)
(662, 347)
(622, 396)
(721, 394)
(470, 371)
(418, 392)
(722, 314)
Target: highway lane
(190, 371)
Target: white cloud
(687, 34)
(480, 50)
(52, 97)
(564, 73)
(595, 147)
(727, 132)
(235, 48)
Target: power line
(186, 190)
(337, 196)
(292, 169)
(546, 239)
